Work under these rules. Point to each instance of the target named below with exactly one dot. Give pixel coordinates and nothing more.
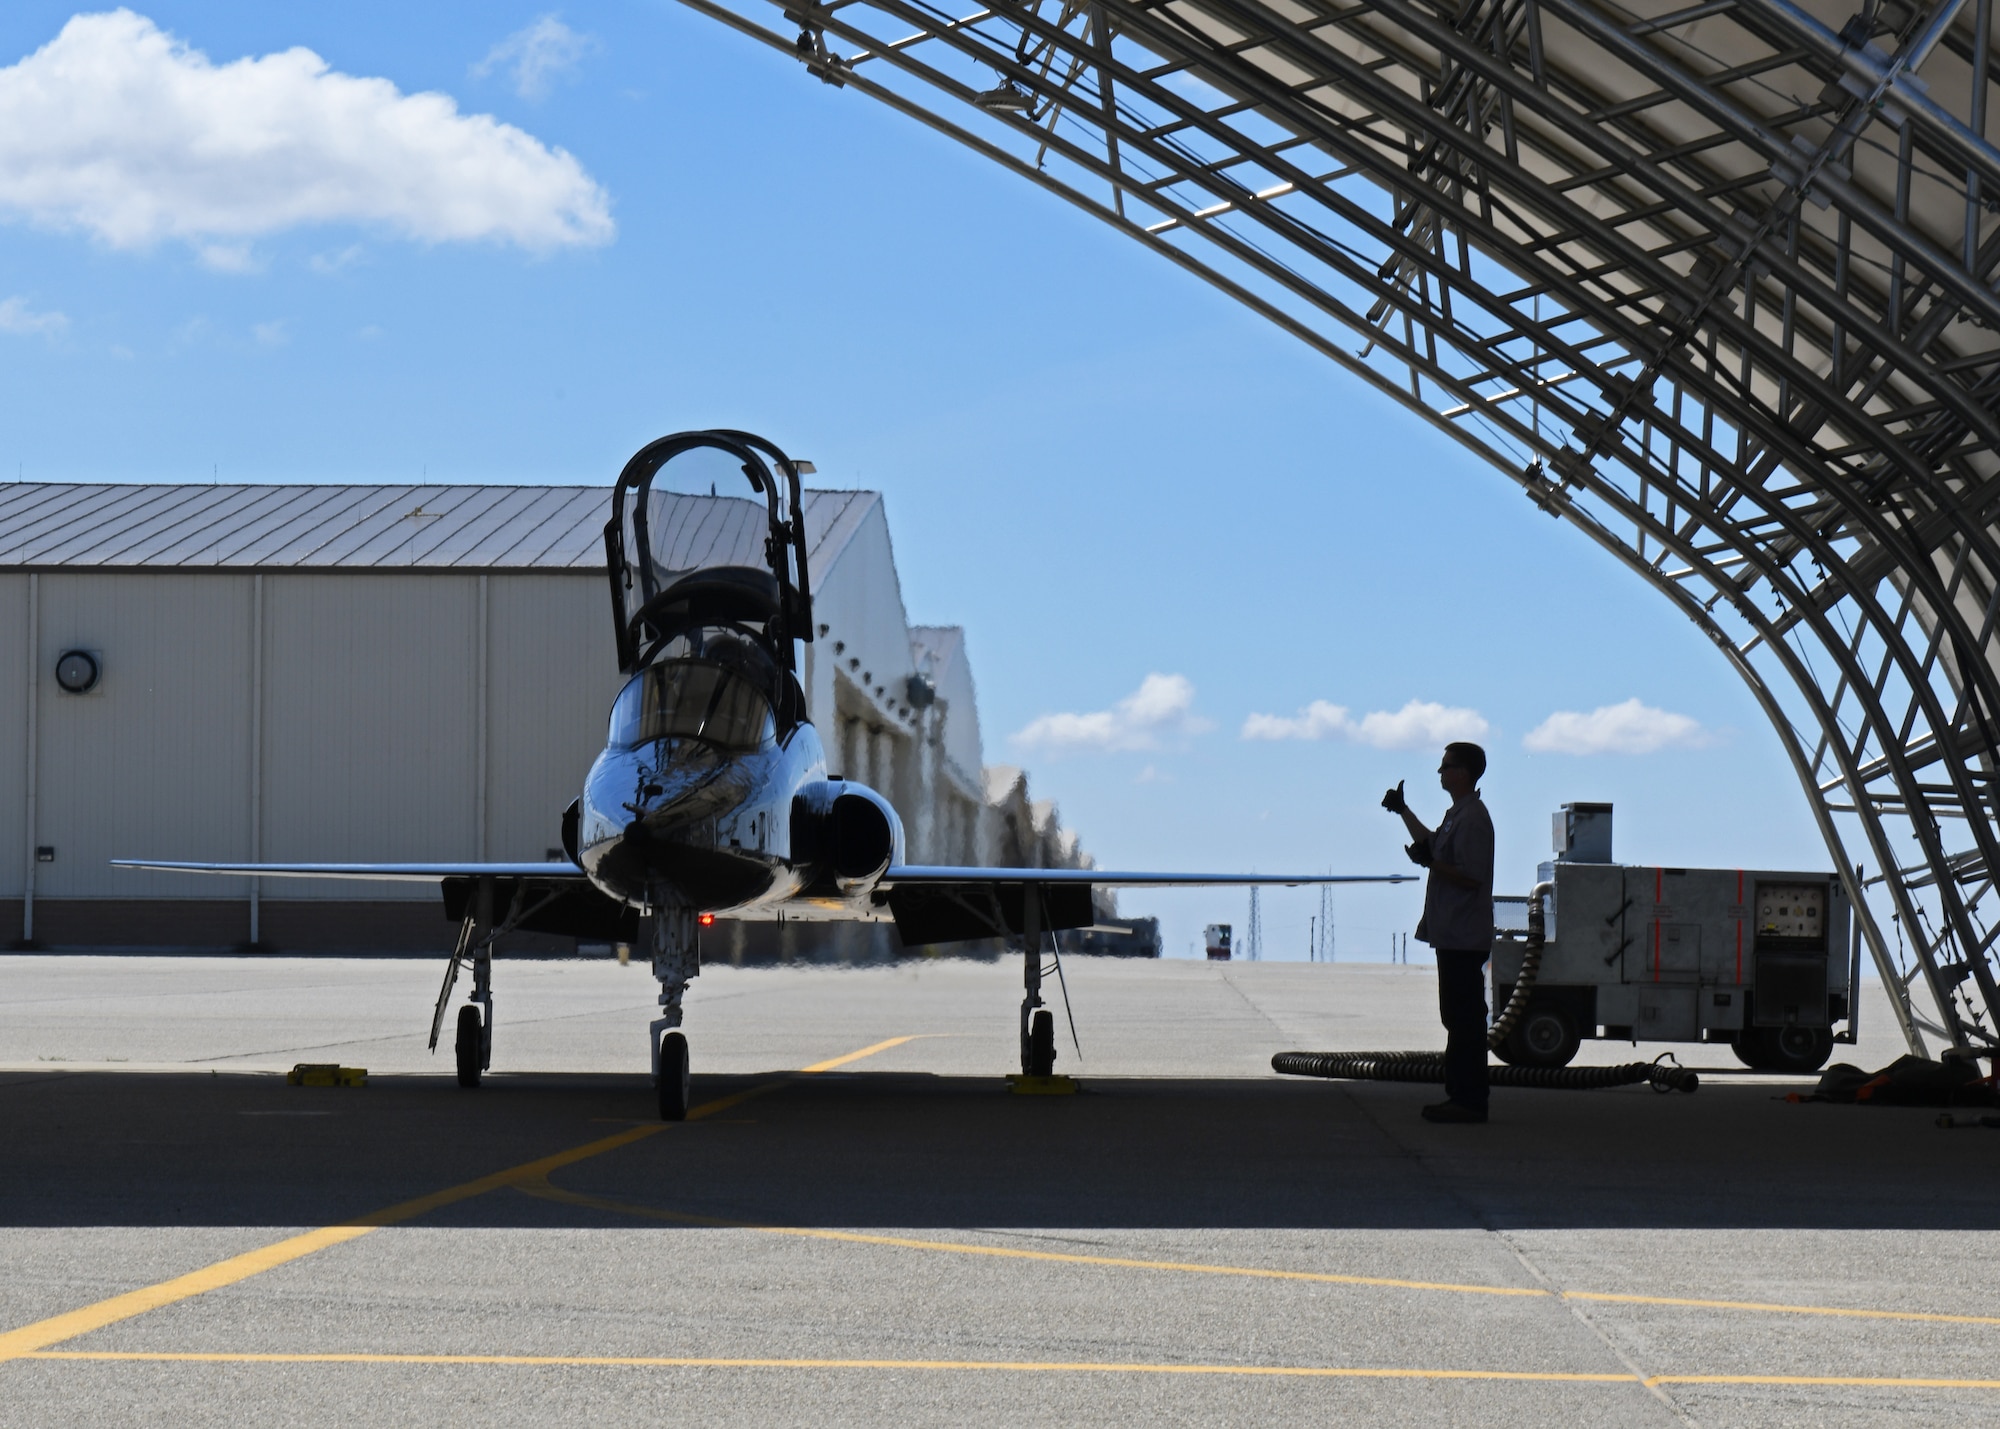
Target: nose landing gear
(676, 961)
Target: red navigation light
(707, 920)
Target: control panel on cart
(1762, 959)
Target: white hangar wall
(396, 716)
(385, 673)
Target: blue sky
(1100, 467)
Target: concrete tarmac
(184, 1238)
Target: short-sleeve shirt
(1457, 917)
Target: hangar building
(381, 673)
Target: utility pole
(1256, 938)
(1324, 948)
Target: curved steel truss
(1712, 281)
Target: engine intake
(863, 837)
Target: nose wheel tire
(674, 1079)
(468, 1046)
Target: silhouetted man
(1457, 923)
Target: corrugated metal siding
(47, 524)
(156, 758)
(551, 674)
(369, 723)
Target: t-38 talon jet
(711, 798)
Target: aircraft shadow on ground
(892, 1150)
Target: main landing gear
(1038, 1024)
(676, 961)
(473, 1046)
(477, 935)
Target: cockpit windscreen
(702, 511)
(692, 699)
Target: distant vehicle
(1216, 935)
(711, 798)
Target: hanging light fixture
(1005, 98)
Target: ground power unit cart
(1766, 961)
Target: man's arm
(1395, 803)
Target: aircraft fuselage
(738, 832)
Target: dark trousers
(1462, 1009)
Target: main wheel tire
(469, 1045)
(675, 1083)
(1797, 1050)
(1042, 1044)
(1546, 1036)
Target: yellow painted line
(833, 1062)
(1772, 1308)
(1016, 1366)
(1831, 1380)
(542, 1187)
(237, 1268)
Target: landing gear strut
(473, 1047)
(676, 961)
(1038, 1024)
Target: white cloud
(1628, 728)
(1318, 720)
(18, 318)
(1417, 725)
(118, 129)
(327, 264)
(229, 258)
(1160, 708)
(271, 334)
(537, 54)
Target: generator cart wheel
(1042, 1044)
(675, 1083)
(1797, 1049)
(467, 1045)
(1546, 1036)
(1750, 1049)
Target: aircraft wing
(1105, 878)
(380, 872)
(944, 904)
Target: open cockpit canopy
(707, 532)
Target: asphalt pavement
(861, 1225)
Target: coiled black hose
(1663, 1073)
(1531, 966)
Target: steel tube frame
(1813, 412)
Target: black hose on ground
(1664, 1074)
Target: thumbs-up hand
(1393, 800)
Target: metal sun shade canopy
(1713, 282)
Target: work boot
(1453, 1112)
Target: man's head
(1461, 769)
